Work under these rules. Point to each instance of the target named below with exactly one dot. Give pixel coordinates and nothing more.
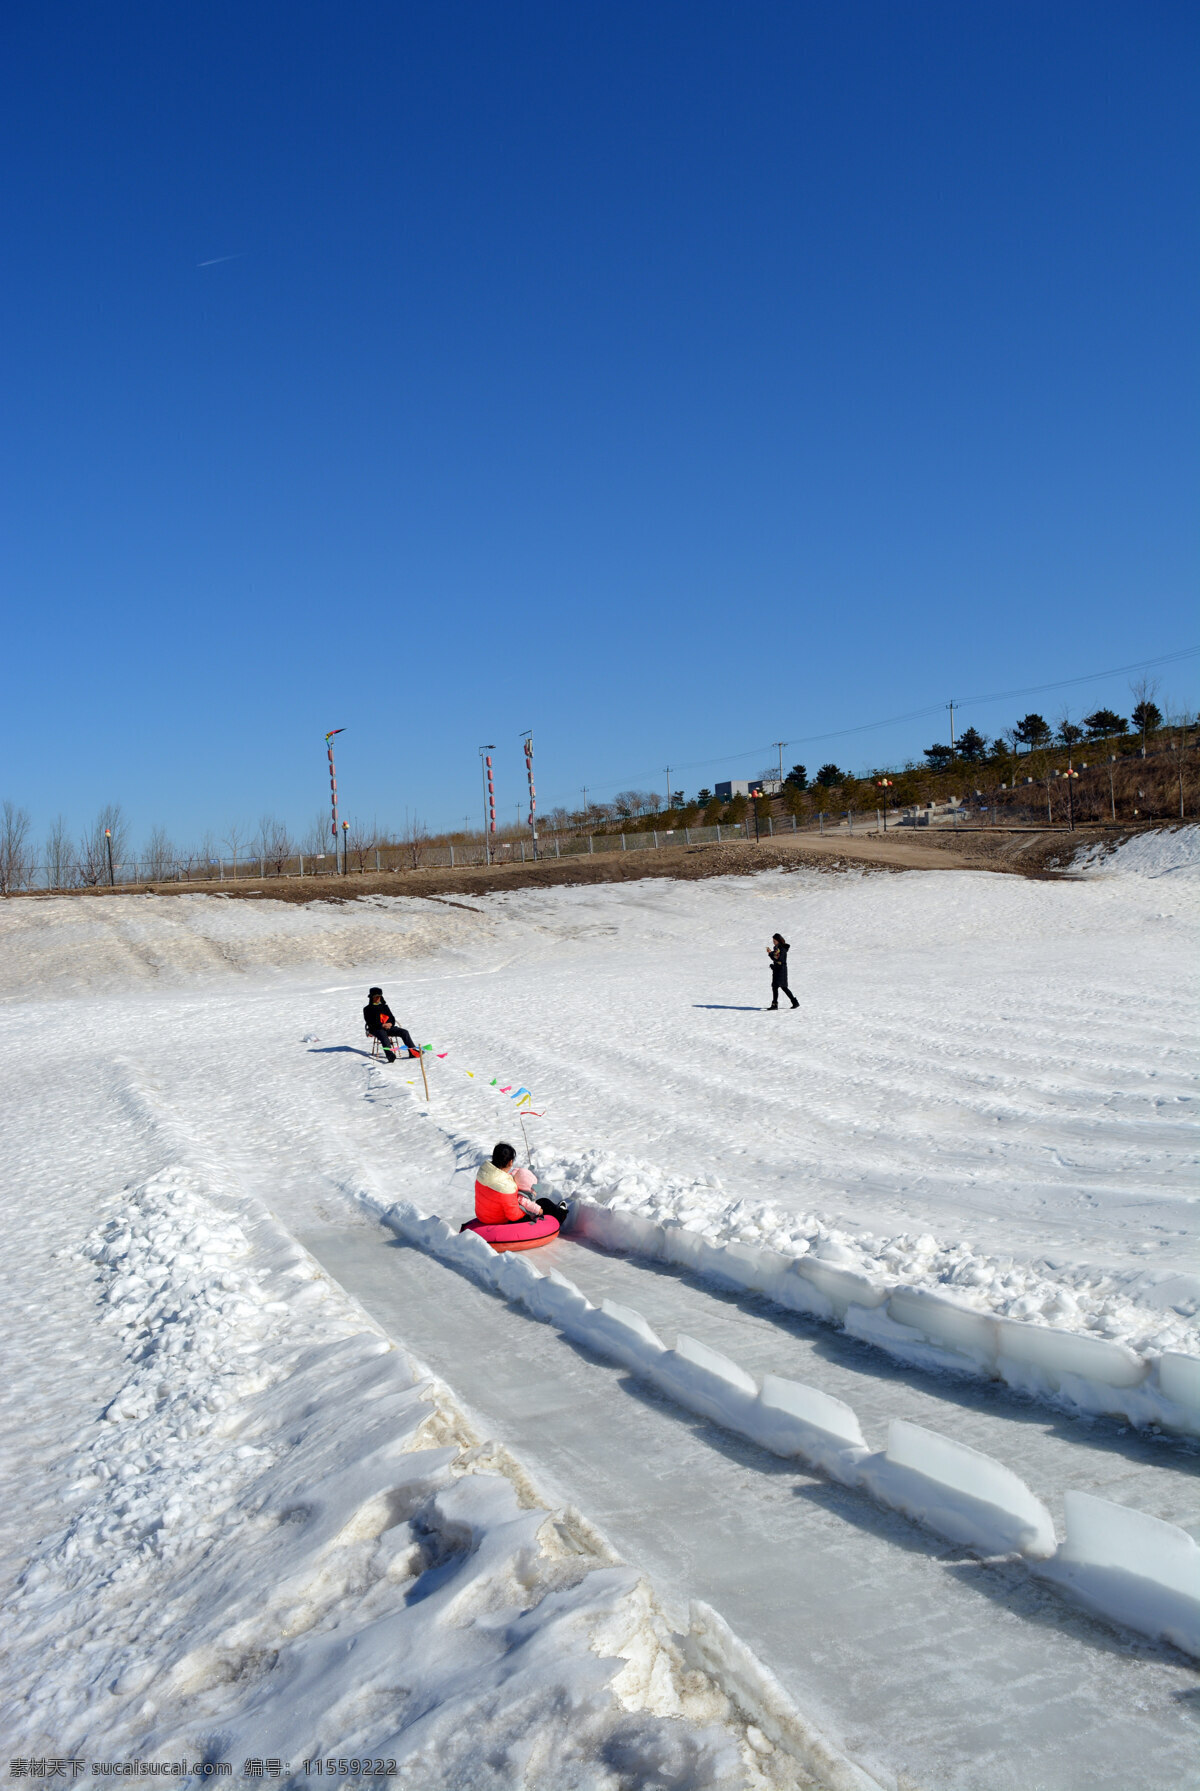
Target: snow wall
(932, 1330)
(949, 1488)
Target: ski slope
(990, 1086)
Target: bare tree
(109, 827)
(158, 855)
(361, 841)
(234, 838)
(189, 860)
(652, 802)
(416, 839)
(209, 855)
(315, 843)
(627, 803)
(16, 854)
(60, 856)
(274, 844)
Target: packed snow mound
(1165, 852)
(1143, 1310)
(59, 945)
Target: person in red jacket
(499, 1197)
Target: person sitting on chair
(382, 1024)
(500, 1198)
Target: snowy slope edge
(947, 1486)
(1090, 1374)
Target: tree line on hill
(1034, 731)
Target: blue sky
(667, 377)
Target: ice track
(919, 1657)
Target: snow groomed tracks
(966, 1672)
(1124, 1564)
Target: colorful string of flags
(521, 1095)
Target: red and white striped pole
(333, 789)
(532, 791)
(489, 798)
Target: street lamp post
(345, 847)
(884, 784)
(108, 844)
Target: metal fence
(1029, 805)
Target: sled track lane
(921, 1659)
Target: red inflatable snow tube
(524, 1234)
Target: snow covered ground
(249, 1523)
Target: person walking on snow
(777, 951)
(382, 1024)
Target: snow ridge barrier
(931, 1330)
(1119, 1563)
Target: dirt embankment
(1028, 854)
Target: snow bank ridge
(1123, 1565)
(1092, 1374)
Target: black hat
(371, 992)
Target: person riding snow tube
(505, 1216)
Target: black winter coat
(779, 955)
(380, 1021)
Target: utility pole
(667, 769)
(779, 745)
(950, 706)
(489, 798)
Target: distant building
(766, 786)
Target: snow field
(986, 1100)
(284, 1532)
(950, 1488)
